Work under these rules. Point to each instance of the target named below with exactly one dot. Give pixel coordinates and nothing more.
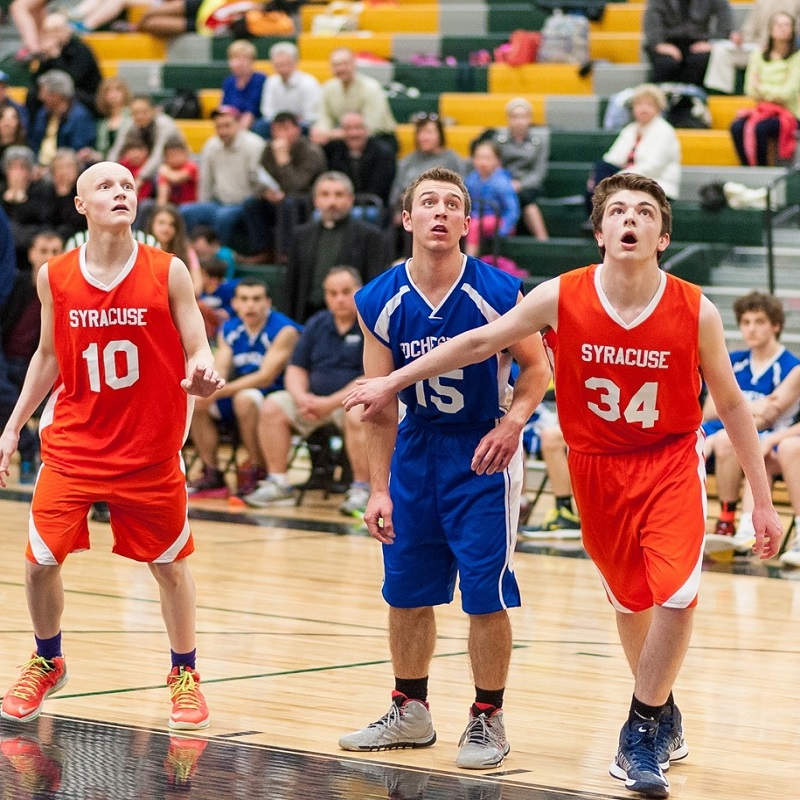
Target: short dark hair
(204, 232)
(635, 183)
(351, 271)
(253, 283)
(443, 175)
(760, 301)
(213, 267)
(286, 116)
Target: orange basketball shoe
(38, 679)
(181, 761)
(189, 709)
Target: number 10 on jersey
(108, 372)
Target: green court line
(279, 674)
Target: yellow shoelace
(185, 693)
(33, 674)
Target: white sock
(281, 478)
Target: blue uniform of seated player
(253, 350)
(760, 370)
(445, 483)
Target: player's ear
(406, 221)
(80, 206)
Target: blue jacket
(77, 129)
(499, 194)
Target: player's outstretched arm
(42, 374)
(538, 310)
(202, 379)
(737, 418)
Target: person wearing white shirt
(288, 89)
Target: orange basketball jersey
(118, 404)
(623, 387)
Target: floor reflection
(57, 758)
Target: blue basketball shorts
(448, 521)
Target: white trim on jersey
(513, 476)
(612, 312)
(92, 281)
(50, 409)
(434, 311)
(382, 323)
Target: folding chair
(330, 467)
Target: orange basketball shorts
(643, 518)
(148, 511)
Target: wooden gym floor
(292, 650)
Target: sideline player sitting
(632, 344)
(121, 335)
(253, 350)
(326, 361)
(760, 370)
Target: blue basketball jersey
(249, 351)
(755, 385)
(400, 316)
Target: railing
(771, 219)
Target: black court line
(66, 757)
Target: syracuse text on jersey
(105, 317)
(625, 356)
(418, 347)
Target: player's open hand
(769, 532)
(373, 393)
(202, 381)
(378, 517)
(8, 446)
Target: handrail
(687, 252)
(769, 220)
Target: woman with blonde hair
(114, 105)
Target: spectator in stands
(29, 16)
(178, 174)
(335, 237)
(430, 150)
(288, 89)
(114, 107)
(166, 224)
(204, 240)
(349, 90)
(772, 79)
(728, 54)
(678, 36)
(6, 100)
(216, 291)
(229, 175)
(295, 163)
(64, 173)
(327, 360)
(524, 153)
(648, 146)
(62, 121)
(12, 132)
(19, 333)
(495, 206)
(253, 350)
(133, 157)
(367, 160)
(759, 370)
(155, 127)
(64, 51)
(171, 18)
(89, 15)
(8, 274)
(26, 201)
(243, 88)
